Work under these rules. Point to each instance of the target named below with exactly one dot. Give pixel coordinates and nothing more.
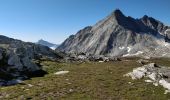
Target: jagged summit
(119, 35)
(117, 13)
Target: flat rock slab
(61, 72)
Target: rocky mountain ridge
(119, 35)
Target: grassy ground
(87, 81)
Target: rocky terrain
(20, 60)
(158, 75)
(119, 35)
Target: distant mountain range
(48, 44)
(120, 35)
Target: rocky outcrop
(19, 59)
(158, 75)
(119, 35)
(82, 57)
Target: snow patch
(166, 44)
(61, 72)
(53, 47)
(126, 55)
(137, 53)
(129, 49)
(121, 47)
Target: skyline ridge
(55, 20)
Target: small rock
(30, 85)
(148, 81)
(61, 72)
(71, 90)
(142, 61)
(67, 79)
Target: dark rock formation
(18, 58)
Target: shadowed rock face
(118, 35)
(17, 58)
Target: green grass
(87, 81)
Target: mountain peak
(118, 13)
(46, 43)
(145, 16)
(118, 35)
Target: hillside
(20, 60)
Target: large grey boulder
(15, 61)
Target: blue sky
(55, 20)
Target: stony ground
(87, 81)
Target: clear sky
(55, 20)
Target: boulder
(143, 61)
(15, 61)
(158, 75)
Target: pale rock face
(157, 75)
(118, 35)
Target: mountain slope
(18, 59)
(118, 35)
(48, 44)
